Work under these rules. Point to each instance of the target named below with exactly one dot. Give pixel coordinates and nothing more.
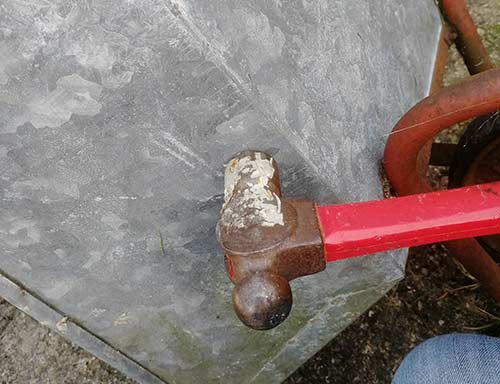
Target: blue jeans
(452, 359)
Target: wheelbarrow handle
(357, 229)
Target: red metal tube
(362, 228)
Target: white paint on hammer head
(259, 204)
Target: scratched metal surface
(115, 120)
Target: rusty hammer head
(267, 240)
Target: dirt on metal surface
(436, 297)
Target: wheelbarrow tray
(116, 121)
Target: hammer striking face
(269, 241)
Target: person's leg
(452, 359)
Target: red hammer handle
(362, 228)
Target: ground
(436, 297)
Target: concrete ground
(436, 297)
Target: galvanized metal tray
(116, 118)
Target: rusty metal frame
(446, 39)
(468, 41)
(478, 95)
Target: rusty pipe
(478, 95)
(468, 41)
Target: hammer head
(267, 240)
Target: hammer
(268, 240)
